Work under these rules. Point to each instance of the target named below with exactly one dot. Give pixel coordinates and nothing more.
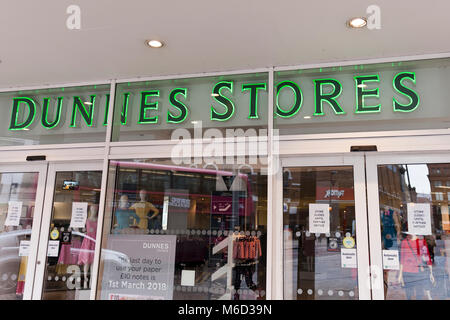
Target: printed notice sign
(53, 248)
(14, 212)
(319, 218)
(140, 267)
(348, 258)
(419, 219)
(24, 248)
(79, 214)
(390, 260)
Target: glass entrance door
(68, 234)
(408, 200)
(325, 229)
(21, 197)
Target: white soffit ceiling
(204, 36)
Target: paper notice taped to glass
(79, 214)
(319, 218)
(53, 248)
(390, 260)
(419, 219)
(24, 248)
(348, 258)
(14, 213)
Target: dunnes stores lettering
(222, 93)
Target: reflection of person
(414, 258)
(390, 227)
(87, 250)
(123, 214)
(142, 208)
(309, 250)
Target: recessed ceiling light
(154, 43)
(88, 103)
(357, 22)
(362, 85)
(307, 117)
(214, 94)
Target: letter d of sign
(16, 111)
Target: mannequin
(142, 208)
(414, 259)
(124, 213)
(87, 250)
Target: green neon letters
(123, 114)
(327, 91)
(227, 103)
(177, 104)
(88, 116)
(15, 113)
(297, 103)
(253, 87)
(145, 106)
(105, 118)
(44, 119)
(329, 98)
(361, 93)
(410, 93)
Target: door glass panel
(72, 237)
(17, 204)
(415, 230)
(319, 234)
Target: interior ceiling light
(357, 22)
(154, 43)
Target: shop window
(178, 232)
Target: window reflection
(414, 212)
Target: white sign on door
(53, 248)
(14, 213)
(319, 218)
(24, 248)
(390, 260)
(419, 219)
(79, 214)
(348, 258)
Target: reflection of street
(327, 280)
(440, 290)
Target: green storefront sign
(326, 92)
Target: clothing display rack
(238, 254)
